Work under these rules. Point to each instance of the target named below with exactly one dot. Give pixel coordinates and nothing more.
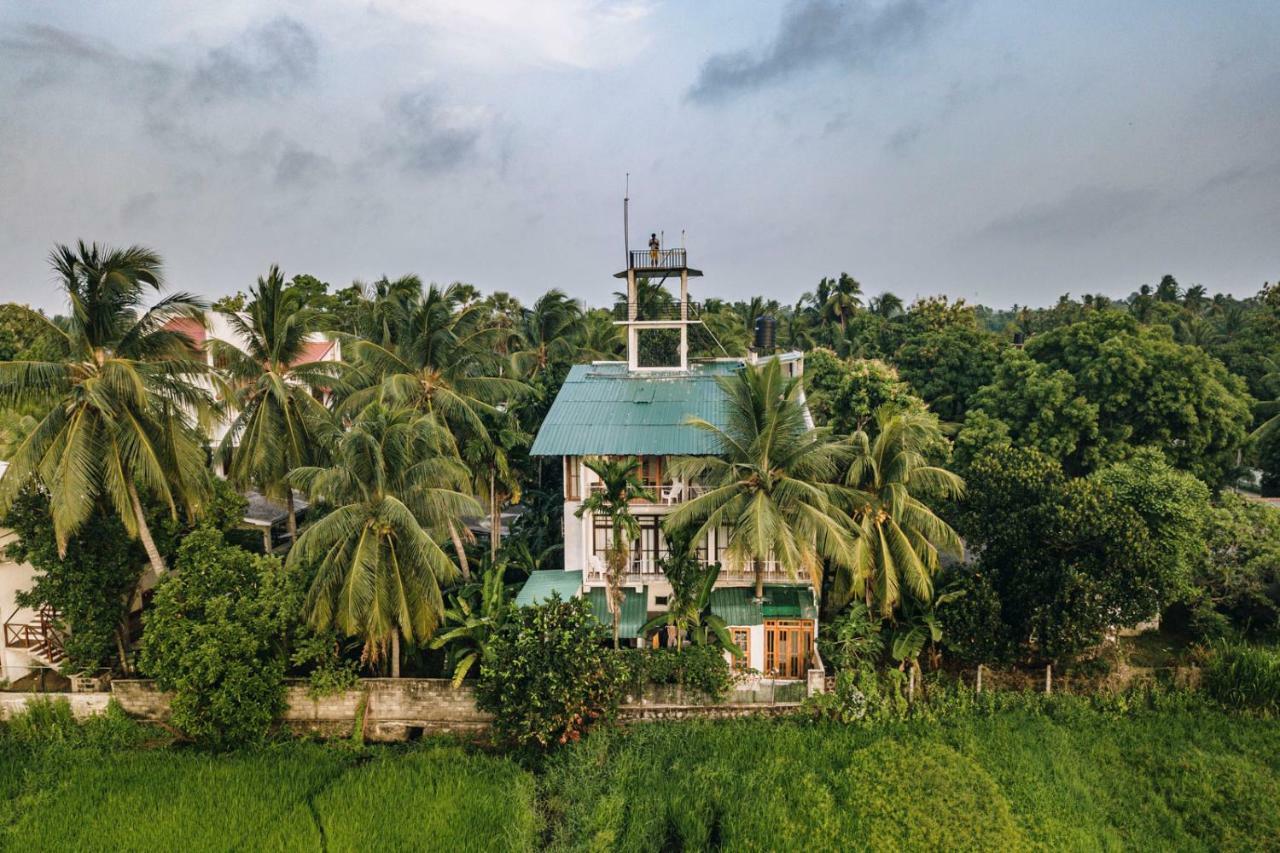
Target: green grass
(1079, 780)
(284, 797)
(1049, 775)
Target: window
(742, 639)
(601, 535)
(572, 478)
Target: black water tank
(766, 334)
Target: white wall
(14, 577)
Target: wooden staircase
(40, 639)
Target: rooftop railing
(658, 259)
(655, 310)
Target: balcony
(647, 262)
(643, 568)
(665, 494)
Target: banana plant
(469, 625)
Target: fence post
(979, 679)
(1048, 679)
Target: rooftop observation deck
(660, 262)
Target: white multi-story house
(641, 408)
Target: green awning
(634, 610)
(542, 585)
(737, 606)
(789, 602)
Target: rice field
(1064, 776)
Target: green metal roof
(542, 585)
(736, 605)
(606, 409)
(634, 610)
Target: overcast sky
(999, 151)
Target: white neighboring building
(22, 649)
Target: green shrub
(51, 721)
(852, 640)
(217, 636)
(700, 668)
(1244, 677)
(548, 677)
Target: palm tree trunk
(121, 646)
(461, 551)
(758, 565)
(395, 653)
(291, 515)
(144, 533)
(495, 518)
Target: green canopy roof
(737, 606)
(606, 409)
(542, 585)
(634, 610)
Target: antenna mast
(626, 225)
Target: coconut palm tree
(271, 392)
(120, 409)
(378, 568)
(770, 481)
(619, 485)
(549, 332)
(899, 537)
(439, 361)
(844, 300)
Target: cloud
(270, 60)
(856, 35)
(49, 56)
(425, 136)
(1085, 214)
(299, 167)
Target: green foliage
(770, 482)
(900, 539)
(846, 393)
(329, 672)
(946, 366)
(120, 403)
(1244, 677)
(1091, 392)
(1237, 581)
(1070, 558)
(700, 668)
(972, 626)
(90, 586)
(852, 641)
(217, 636)
(688, 611)
(1039, 775)
(289, 796)
(548, 678)
(26, 335)
(378, 568)
(474, 616)
(50, 721)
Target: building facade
(641, 408)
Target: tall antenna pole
(626, 224)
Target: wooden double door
(788, 647)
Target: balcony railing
(665, 494)
(643, 567)
(660, 259)
(655, 311)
